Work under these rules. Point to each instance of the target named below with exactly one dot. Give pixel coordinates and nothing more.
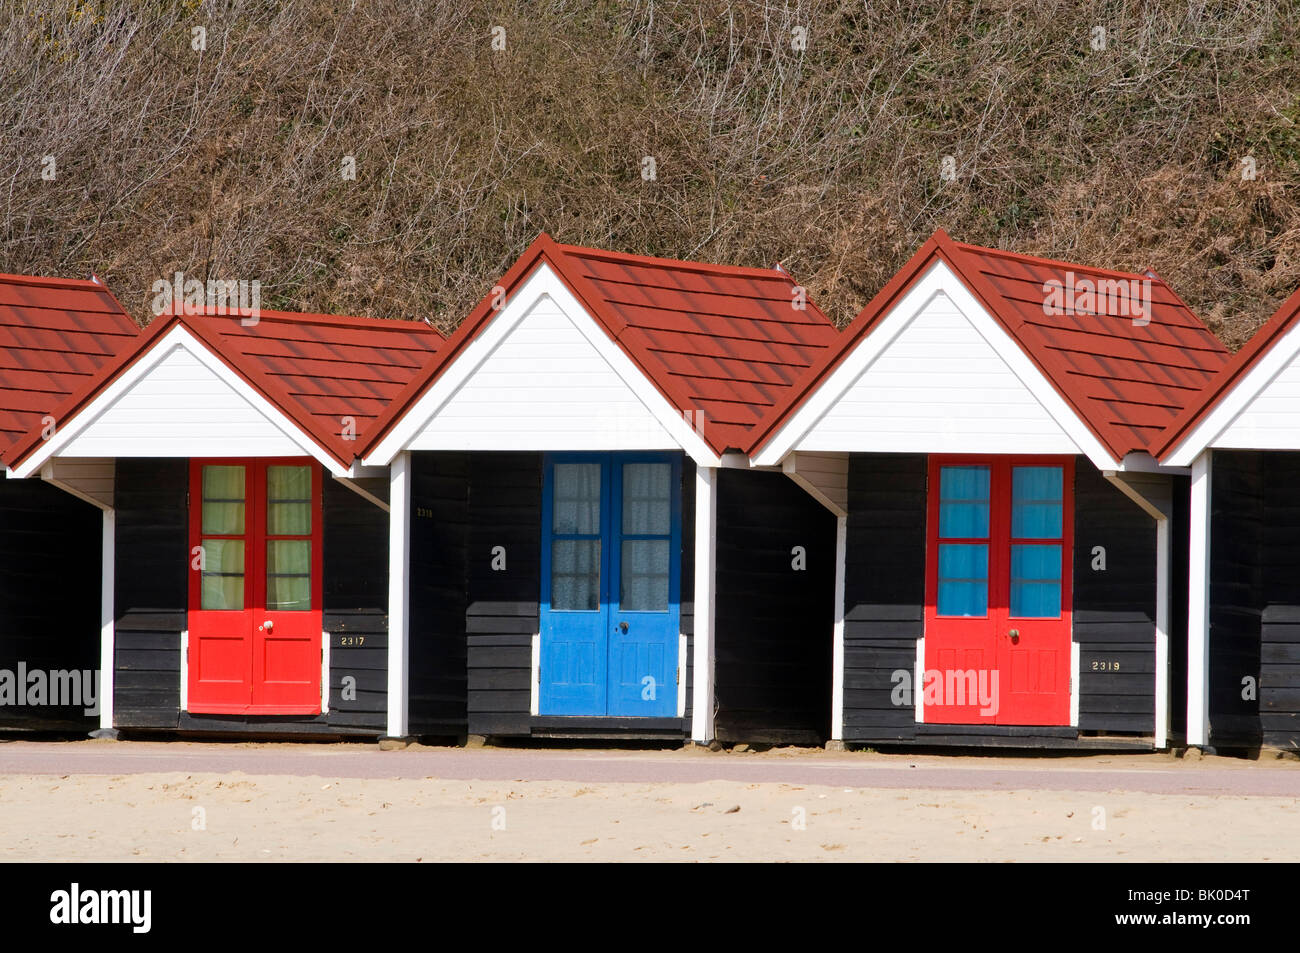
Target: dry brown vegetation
(226, 162)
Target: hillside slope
(228, 161)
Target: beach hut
(575, 495)
(245, 550)
(1008, 547)
(1241, 439)
(54, 334)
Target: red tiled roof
(1125, 380)
(54, 335)
(721, 342)
(1218, 387)
(315, 368)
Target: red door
(998, 569)
(255, 587)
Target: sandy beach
(147, 815)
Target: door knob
(1015, 635)
(622, 627)
(268, 625)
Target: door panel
(255, 603)
(287, 636)
(644, 612)
(220, 635)
(610, 614)
(965, 561)
(1034, 658)
(573, 618)
(997, 648)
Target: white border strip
(107, 618)
(681, 675)
(535, 681)
(918, 692)
(324, 672)
(837, 644)
(1075, 661)
(185, 670)
(399, 616)
(1198, 604)
(706, 521)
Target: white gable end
(544, 385)
(943, 382)
(1271, 420)
(1261, 411)
(180, 405)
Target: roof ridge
(52, 282)
(1039, 260)
(311, 317)
(653, 260)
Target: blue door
(610, 603)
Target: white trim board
(324, 672)
(706, 565)
(938, 319)
(1198, 601)
(682, 656)
(213, 412)
(1076, 660)
(837, 630)
(1261, 411)
(107, 617)
(399, 596)
(185, 669)
(571, 387)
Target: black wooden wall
(439, 524)
(1114, 617)
(152, 556)
(1255, 599)
(505, 509)
(1178, 611)
(1114, 608)
(884, 592)
(1279, 648)
(50, 600)
(774, 624)
(151, 598)
(355, 550)
(1237, 535)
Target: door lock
(1015, 635)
